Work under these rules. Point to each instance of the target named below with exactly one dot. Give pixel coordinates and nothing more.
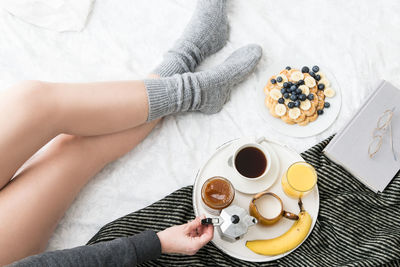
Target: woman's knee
(94, 151)
(65, 142)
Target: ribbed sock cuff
(158, 98)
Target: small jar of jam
(217, 193)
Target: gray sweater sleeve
(126, 251)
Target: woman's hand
(186, 238)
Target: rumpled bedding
(358, 41)
(56, 15)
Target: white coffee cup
(259, 152)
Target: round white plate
(313, 128)
(216, 165)
(253, 187)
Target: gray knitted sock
(206, 91)
(205, 34)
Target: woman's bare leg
(32, 113)
(32, 204)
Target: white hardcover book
(349, 148)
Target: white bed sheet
(358, 40)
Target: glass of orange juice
(299, 179)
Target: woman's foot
(206, 33)
(205, 91)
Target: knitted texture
(206, 33)
(205, 91)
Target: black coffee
(250, 162)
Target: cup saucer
(256, 186)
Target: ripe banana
(309, 82)
(286, 242)
(329, 92)
(325, 82)
(280, 109)
(321, 74)
(305, 105)
(297, 76)
(294, 113)
(275, 94)
(304, 89)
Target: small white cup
(255, 144)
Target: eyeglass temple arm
(391, 142)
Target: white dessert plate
(323, 121)
(217, 165)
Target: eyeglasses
(384, 123)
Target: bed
(125, 40)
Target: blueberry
(315, 69)
(298, 91)
(305, 69)
(320, 112)
(312, 74)
(286, 95)
(318, 77)
(302, 97)
(310, 97)
(293, 97)
(327, 104)
(288, 68)
(281, 100)
(321, 86)
(285, 85)
(273, 81)
(290, 104)
(283, 90)
(300, 82)
(297, 103)
(293, 88)
(279, 79)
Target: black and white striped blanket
(355, 227)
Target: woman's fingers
(207, 229)
(200, 230)
(208, 234)
(191, 226)
(203, 232)
(193, 233)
